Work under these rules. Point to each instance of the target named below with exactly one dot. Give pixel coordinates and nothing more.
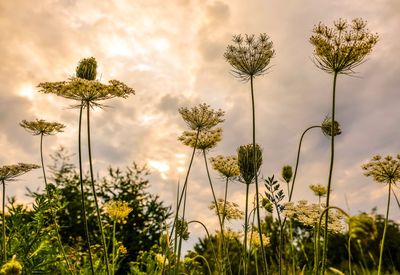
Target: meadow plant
(45, 128)
(339, 50)
(384, 170)
(118, 211)
(319, 190)
(249, 161)
(89, 93)
(9, 173)
(201, 119)
(250, 57)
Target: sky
(171, 53)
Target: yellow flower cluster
(385, 170)
(308, 214)
(319, 190)
(227, 166)
(249, 56)
(206, 139)
(254, 239)
(12, 267)
(228, 210)
(343, 47)
(117, 210)
(9, 172)
(89, 91)
(201, 117)
(42, 127)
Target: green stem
(292, 247)
(184, 188)
(384, 231)
(298, 159)
(113, 248)
(245, 229)
(4, 222)
(222, 241)
(256, 177)
(325, 251)
(208, 237)
(103, 238)
(326, 210)
(53, 215)
(84, 218)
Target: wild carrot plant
(386, 170)
(250, 57)
(9, 173)
(85, 89)
(339, 50)
(44, 128)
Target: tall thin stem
(245, 228)
(84, 218)
(298, 159)
(53, 215)
(41, 160)
(113, 247)
(256, 178)
(325, 251)
(103, 238)
(325, 211)
(384, 230)
(4, 222)
(222, 241)
(184, 188)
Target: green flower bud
(87, 68)
(248, 168)
(287, 173)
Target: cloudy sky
(171, 53)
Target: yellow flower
(42, 127)
(254, 239)
(122, 249)
(117, 210)
(12, 267)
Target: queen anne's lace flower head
(206, 139)
(201, 117)
(319, 190)
(309, 214)
(249, 56)
(88, 91)
(10, 172)
(42, 127)
(341, 48)
(227, 166)
(385, 170)
(232, 210)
